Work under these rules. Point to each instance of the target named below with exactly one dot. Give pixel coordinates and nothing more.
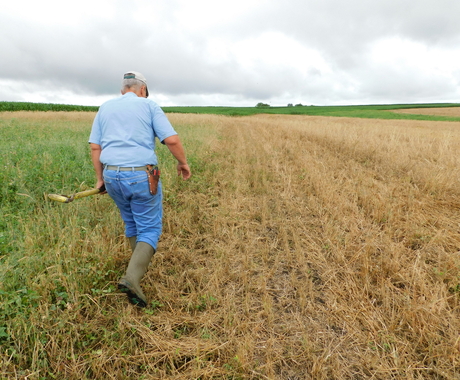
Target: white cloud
(202, 16)
(411, 71)
(402, 54)
(23, 91)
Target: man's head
(133, 81)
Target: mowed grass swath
(303, 248)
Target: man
(122, 144)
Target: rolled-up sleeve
(95, 136)
(161, 125)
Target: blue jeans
(141, 211)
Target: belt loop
(118, 169)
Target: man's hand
(184, 170)
(175, 147)
(99, 185)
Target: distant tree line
(265, 105)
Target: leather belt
(125, 169)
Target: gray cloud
(238, 59)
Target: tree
(262, 105)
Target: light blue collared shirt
(126, 127)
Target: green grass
(361, 111)
(54, 255)
(41, 157)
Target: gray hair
(127, 84)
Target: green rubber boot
(132, 242)
(138, 265)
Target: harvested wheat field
(440, 111)
(303, 248)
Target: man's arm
(95, 157)
(175, 147)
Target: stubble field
(447, 111)
(302, 248)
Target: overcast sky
(234, 53)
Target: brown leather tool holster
(153, 174)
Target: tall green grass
(57, 261)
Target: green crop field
(361, 111)
(369, 111)
(303, 247)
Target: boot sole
(132, 296)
